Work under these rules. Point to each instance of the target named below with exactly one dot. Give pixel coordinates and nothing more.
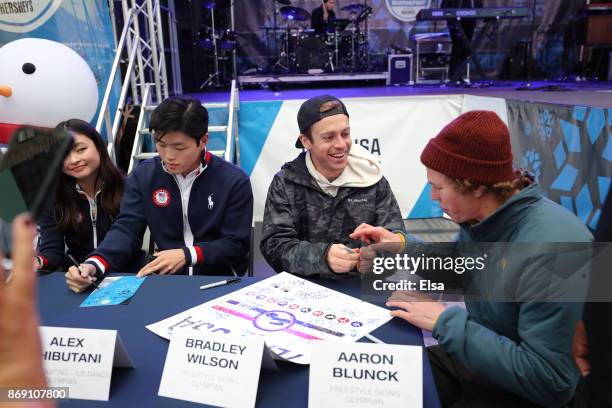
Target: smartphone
(30, 170)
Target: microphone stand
(528, 84)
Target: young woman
(86, 201)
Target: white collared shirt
(185, 183)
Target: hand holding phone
(30, 170)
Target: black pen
(220, 283)
(78, 265)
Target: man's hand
(423, 315)
(369, 234)
(366, 259)
(325, 12)
(20, 348)
(342, 259)
(580, 349)
(165, 262)
(79, 279)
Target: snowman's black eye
(28, 68)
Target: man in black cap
(319, 198)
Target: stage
(560, 133)
(596, 94)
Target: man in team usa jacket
(197, 206)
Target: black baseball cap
(310, 113)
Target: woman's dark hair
(109, 176)
(180, 114)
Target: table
(160, 297)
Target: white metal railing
(231, 152)
(138, 139)
(104, 115)
(146, 63)
(151, 56)
(231, 139)
(121, 103)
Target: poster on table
(288, 312)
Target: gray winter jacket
(301, 222)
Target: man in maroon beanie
(494, 353)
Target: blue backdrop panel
(256, 120)
(568, 148)
(425, 207)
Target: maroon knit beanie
(474, 147)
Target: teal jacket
(522, 347)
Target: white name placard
(364, 374)
(214, 369)
(82, 360)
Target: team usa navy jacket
(219, 212)
(54, 243)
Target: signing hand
(342, 259)
(79, 279)
(423, 315)
(20, 348)
(369, 234)
(165, 262)
(580, 350)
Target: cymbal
(287, 2)
(353, 8)
(294, 13)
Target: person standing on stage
(316, 200)
(198, 207)
(320, 17)
(459, 51)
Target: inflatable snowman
(42, 83)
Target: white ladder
(230, 153)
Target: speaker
(400, 70)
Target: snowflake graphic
(532, 162)
(545, 125)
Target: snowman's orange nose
(5, 90)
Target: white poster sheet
(287, 311)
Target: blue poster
(114, 291)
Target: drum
(228, 40)
(206, 38)
(288, 40)
(311, 53)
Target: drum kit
(343, 47)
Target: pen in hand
(220, 283)
(78, 265)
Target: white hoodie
(361, 170)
